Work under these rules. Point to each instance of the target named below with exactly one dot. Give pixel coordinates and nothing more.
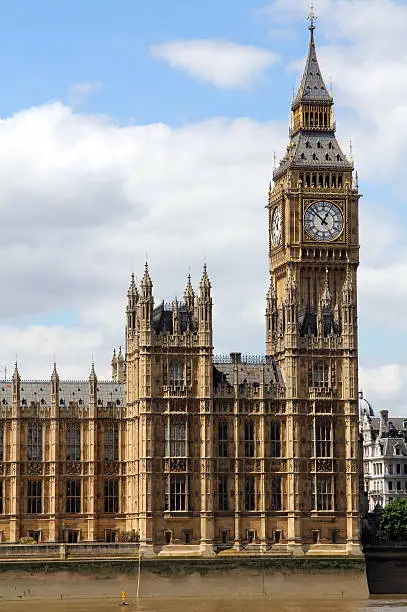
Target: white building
(384, 456)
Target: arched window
(176, 372)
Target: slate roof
(388, 445)
(396, 423)
(314, 149)
(40, 391)
(163, 319)
(312, 87)
(248, 373)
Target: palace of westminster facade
(196, 453)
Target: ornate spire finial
(146, 282)
(312, 19)
(205, 282)
(326, 294)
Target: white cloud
(81, 202)
(226, 65)
(385, 387)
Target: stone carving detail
(178, 465)
(324, 465)
(111, 467)
(34, 468)
(73, 467)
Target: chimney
(384, 424)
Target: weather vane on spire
(312, 16)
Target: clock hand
(322, 220)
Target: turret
(205, 308)
(132, 300)
(118, 366)
(348, 308)
(189, 296)
(16, 381)
(114, 365)
(175, 318)
(271, 308)
(146, 300)
(325, 313)
(93, 387)
(54, 391)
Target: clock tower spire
(311, 320)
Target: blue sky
(133, 127)
(47, 47)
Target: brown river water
(383, 604)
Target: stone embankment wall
(386, 568)
(229, 578)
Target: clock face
(276, 226)
(323, 221)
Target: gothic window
(319, 375)
(176, 372)
(34, 442)
(330, 145)
(275, 439)
(307, 145)
(222, 439)
(302, 155)
(325, 119)
(334, 181)
(340, 180)
(111, 495)
(314, 156)
(1, 497)
(249, 494)
(320, 180)
(223, 495)
(1, 442)
(319, 144)
(276, 493)
(322, 493)
(34, 497)
(176, 493)
(327, 157)
(176, 438)
(73, 496)
(111, 442)
(307, 180)
(73, 442)
(249, 439)
(321, 438)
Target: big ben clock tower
(311, 319)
